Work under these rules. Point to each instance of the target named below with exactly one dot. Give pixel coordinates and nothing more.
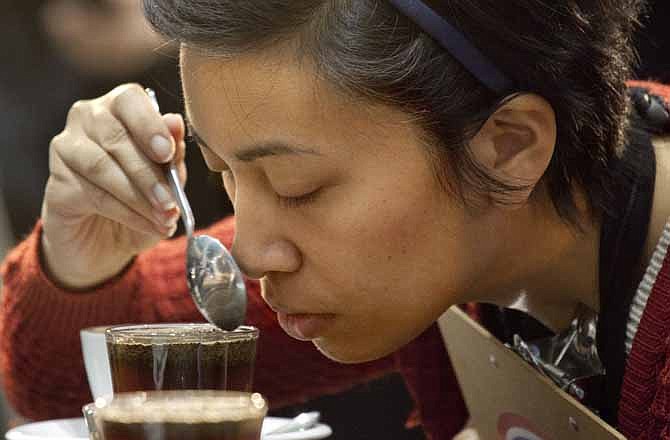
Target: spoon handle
(182, 201)
(173, 179)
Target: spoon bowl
(215, 282)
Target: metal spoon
(213, 277)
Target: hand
(107, 196)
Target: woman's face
(337, 208)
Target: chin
(348, 353)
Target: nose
(258, 259)
(260, 246)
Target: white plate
(62, 429)
(75, 429)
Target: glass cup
(177, 415)
(181, 357)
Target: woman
(386, 160)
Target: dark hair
(576, 54)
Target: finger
(94, 164)
(181, 164)
(177, 128)
(183, 174)
(112, 137)
(134, 109)
(84, 197)
(113, 209)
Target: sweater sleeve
(41, 361)
(40, 352)
(644, 407)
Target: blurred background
(58, 51)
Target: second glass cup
(177, 415)
(181, 357)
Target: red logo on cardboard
(515, 427)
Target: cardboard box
(507, 398)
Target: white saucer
(317, 432)
(62, 429)
(75, 429)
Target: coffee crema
(199, 417)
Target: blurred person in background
(61, 50)
(103, 39)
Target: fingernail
(172, 230)
(162, 147)
(165, 219)
(163, 197)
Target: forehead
(265, 96)
(250, 86)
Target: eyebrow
(257, 151)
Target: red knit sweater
(43, 371)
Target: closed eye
(298, 201)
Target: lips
(305, 326)
(296, 322)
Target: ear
(516, 144)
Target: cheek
(402, 242)
(393, 265)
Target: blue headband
(456, 44)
